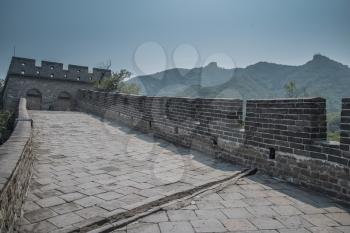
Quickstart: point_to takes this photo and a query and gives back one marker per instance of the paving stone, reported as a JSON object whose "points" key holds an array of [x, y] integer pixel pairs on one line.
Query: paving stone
{"points": [[325, 230], [47, 194], [92, 191], [209, 205], [131, 199], [239, 225], [334, 208], [320, 220], [261, 211], [30, 206], [299, 230], [286, 210], [208, 225], [72, 196], [344, 229], [109, 196], [39, 215], [50, 201], [143, 227], [88, 201], [111, 205], [296, 221], [265, 223], [237, 213], [257, 201], [210, 214], [176, 227], [342, 218], [41, 227], [231, 196], [156, 217], [65, 208], [280, 200], [181, 215], [65, 220], [213, 197], [310, 209], [234, 203], [91, 212]]}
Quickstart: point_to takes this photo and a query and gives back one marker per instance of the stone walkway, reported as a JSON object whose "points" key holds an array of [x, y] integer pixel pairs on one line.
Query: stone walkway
{"points": [[87, 169], [256, 204]]}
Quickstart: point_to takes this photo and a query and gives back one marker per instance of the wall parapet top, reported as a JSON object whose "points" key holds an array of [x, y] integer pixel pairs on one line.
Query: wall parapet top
{"points": [[54, 70]]}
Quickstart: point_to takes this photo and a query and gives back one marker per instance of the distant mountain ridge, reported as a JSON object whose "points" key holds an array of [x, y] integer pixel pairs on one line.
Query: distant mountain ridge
{"points": [[320, 76]]}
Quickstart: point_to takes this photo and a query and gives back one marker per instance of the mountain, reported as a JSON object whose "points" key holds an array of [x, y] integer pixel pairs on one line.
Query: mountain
{"points": [[320, 76]]}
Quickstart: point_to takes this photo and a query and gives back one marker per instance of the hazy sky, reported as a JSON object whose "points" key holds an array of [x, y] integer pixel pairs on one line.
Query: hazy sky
{"points": [[146, 36]]}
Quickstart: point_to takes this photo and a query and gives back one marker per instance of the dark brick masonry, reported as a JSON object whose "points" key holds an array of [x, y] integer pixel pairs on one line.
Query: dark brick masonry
{"points": [[295, 129]]}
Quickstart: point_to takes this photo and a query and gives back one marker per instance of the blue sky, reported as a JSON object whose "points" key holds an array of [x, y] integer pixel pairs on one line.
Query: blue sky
{"points": [[146, 36]]}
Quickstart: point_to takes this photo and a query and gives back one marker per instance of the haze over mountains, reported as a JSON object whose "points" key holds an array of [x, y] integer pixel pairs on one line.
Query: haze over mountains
{"points": [[320, 76]]}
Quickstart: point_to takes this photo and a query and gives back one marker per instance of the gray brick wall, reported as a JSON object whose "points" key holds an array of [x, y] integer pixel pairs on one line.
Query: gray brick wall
{"points": [[295, 128], [16, 161], [286, 124], [182, 119], [345, 126]]}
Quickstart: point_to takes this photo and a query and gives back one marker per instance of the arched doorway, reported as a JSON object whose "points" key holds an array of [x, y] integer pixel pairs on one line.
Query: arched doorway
{"points": [[63, 102], [34, 98]]}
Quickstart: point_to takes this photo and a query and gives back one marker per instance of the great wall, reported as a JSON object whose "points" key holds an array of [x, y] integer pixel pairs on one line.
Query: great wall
{"points": [[284, 138]]}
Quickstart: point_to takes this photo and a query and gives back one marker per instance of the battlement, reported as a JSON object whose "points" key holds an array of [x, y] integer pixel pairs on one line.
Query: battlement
{"points": [[53, 70]]}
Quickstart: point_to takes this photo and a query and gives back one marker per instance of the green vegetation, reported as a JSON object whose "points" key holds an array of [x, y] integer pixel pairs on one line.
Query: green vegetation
{"points": [[333, 136], [291, 89], [116, 83], [333, 123], [6, 125]]}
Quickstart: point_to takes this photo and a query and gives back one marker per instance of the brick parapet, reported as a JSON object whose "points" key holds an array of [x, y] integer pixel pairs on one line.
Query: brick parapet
{"points": [[16, 161], [295, 128]]}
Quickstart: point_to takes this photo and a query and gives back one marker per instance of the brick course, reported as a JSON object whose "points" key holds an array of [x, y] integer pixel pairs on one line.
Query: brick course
{"points": [[295, 128]]}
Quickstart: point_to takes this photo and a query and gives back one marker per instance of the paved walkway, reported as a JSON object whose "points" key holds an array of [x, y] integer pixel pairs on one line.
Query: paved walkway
{"points": [[256, 204], [87, 169]]}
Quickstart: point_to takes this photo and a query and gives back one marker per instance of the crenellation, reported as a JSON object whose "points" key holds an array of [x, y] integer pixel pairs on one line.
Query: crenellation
{"points": [[56, 86], [54, 70], [345, 127]]}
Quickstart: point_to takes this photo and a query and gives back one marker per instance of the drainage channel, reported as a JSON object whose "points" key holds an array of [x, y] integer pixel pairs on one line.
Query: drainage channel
{"points": [[175, 200]]}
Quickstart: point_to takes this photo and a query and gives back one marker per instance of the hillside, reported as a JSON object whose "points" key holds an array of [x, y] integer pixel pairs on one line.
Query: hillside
{"points": [[320, 76]]}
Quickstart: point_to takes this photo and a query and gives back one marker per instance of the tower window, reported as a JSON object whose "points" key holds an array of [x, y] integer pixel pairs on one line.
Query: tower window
{"points": [[51, 67]]}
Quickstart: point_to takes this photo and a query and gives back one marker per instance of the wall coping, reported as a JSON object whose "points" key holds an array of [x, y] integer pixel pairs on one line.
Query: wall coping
{"points": [[166, 97], [11, 151]]}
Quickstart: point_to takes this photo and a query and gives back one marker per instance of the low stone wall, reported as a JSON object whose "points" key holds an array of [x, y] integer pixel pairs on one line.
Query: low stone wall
{"points": [[16, 161], [283, 137]]}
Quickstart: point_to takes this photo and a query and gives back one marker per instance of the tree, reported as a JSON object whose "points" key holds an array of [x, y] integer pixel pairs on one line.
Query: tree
{"points": [[2, 84], [106, 66], [291, 89], [116, 83]]}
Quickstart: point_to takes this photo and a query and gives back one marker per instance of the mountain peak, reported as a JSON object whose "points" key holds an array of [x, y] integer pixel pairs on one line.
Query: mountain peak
{"points": [[321, 61], [212, 64], [319, 57]]}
